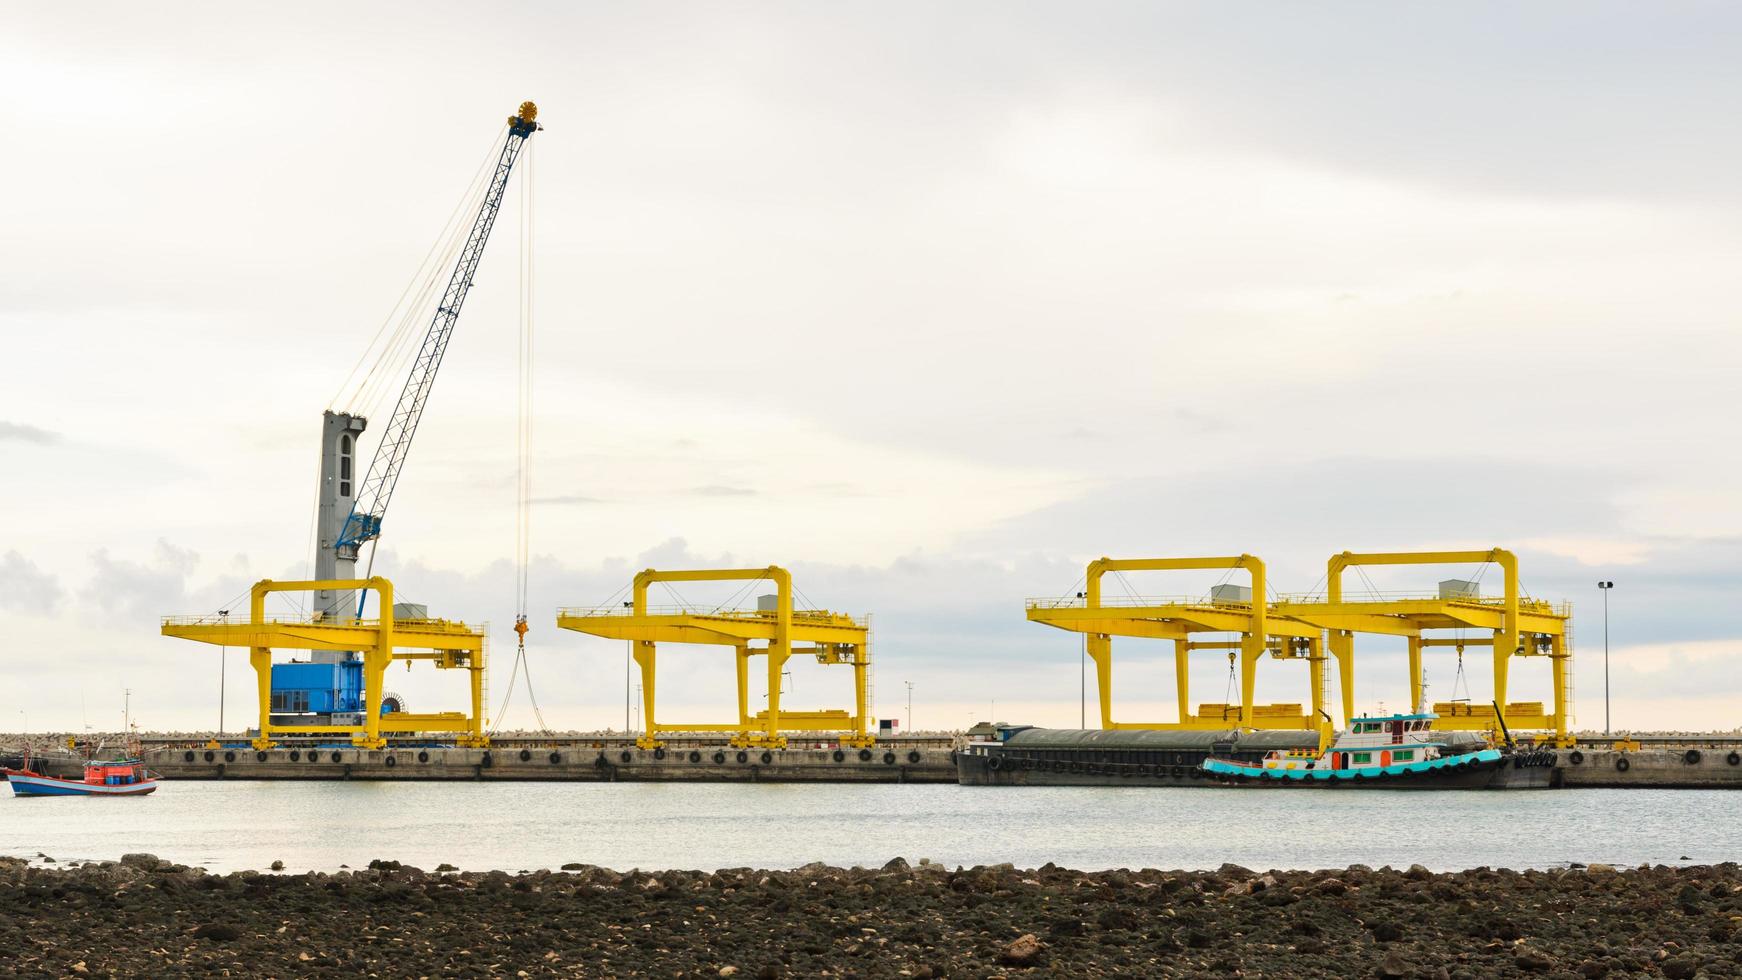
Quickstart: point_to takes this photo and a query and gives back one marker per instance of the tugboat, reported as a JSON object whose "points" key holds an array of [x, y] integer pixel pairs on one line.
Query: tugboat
{"points": [[1378, 752], [124, 777]]}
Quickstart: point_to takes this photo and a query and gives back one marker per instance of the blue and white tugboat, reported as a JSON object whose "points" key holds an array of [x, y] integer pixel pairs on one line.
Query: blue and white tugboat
{"points": [[1387, 751]]}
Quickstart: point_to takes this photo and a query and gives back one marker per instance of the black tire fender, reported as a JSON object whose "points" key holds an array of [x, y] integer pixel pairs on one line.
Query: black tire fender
{"points": [[1575, 757], [391, 761], [889, 758], [229, 757], [295, 755], [742, 756], [555, 758], [719, 758], [913, 756], [211, 756], [1691, 757], [336, 757], [259, 757], [188, 756], [525, 755], [864, 755], [423, 757], [695, 757], [767, 757], [659, 753], [1622, 765], [838, 756], [624, 756], [1734, 758]]}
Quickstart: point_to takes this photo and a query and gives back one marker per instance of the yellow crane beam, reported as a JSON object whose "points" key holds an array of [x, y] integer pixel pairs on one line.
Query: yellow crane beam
{"points": [[834, 638], [1100, 621], [1519, 626], [382, 641]]}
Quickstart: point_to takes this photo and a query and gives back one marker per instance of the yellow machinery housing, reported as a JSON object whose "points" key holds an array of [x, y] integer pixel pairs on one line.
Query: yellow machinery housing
{"points": [[833, 638], [1517, 626], [1261, 631], [446, 644]]}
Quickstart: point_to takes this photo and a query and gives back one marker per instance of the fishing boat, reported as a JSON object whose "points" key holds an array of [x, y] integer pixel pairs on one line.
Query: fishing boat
{"points": [[124, 777], [1387, 751]]}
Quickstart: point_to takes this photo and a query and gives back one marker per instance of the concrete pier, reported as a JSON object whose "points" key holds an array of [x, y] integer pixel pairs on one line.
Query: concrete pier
{"points": [[893, 763]]}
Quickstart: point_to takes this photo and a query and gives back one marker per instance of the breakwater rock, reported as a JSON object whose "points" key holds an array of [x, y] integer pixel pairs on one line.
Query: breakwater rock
{"points": [[142, 916]]}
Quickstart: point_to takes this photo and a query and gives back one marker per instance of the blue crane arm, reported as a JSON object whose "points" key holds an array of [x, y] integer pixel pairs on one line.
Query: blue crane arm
{"points": [[364, 522]]}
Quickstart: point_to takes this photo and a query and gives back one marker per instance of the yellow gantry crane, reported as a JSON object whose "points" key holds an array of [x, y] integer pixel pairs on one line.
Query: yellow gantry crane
{"points": [[382, 641], [1296, 628], [1515, 626], [1226, 610], [774, 633]]}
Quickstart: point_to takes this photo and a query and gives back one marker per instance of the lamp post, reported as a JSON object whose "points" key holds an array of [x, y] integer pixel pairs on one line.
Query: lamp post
{"points": [[1605, 586], [909, 706]]}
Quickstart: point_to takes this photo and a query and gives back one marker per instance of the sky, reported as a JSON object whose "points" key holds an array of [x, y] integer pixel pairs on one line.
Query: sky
{"points": [[931, 304]]}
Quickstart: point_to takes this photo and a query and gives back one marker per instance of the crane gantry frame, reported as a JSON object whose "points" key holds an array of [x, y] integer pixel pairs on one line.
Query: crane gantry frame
{"points": [[835, 638], [383, 641], [1303, 627], [1261, 631]]}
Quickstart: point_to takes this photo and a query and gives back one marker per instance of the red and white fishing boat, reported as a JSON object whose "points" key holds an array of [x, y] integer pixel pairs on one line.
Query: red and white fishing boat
{"points": [[124, 777]]}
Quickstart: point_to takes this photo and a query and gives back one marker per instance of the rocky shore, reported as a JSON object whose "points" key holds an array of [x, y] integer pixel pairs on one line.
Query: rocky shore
{"points": [[142, 916]]}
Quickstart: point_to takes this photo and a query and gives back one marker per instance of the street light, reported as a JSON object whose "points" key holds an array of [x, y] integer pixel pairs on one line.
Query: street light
{"points": [[909, 706], [223, 615], [1605, 586]]}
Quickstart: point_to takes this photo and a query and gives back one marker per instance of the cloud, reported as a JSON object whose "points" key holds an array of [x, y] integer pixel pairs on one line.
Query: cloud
{"points": [[18, 432], [133, 590], [714, 490], [26, 588]]}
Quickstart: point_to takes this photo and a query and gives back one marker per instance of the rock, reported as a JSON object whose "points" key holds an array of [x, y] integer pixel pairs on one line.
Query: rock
{"points": [[1332, 886], [896, 864], [571, 866], [444, 868], [218, 932], [144, 862], [382, 865], [1682, 967], [1532, 959], [1592, 969], [1025, 950], [1418, 872], [1393, 965], [728, 971], [277, 865], [1595, 868], [1386, 932]]}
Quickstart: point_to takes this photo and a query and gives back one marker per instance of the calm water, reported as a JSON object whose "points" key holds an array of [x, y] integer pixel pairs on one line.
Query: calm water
{"points": [[514, 826]]}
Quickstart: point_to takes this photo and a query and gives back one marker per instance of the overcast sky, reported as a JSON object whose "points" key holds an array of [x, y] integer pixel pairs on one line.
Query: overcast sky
{"points": [[931, 303]]}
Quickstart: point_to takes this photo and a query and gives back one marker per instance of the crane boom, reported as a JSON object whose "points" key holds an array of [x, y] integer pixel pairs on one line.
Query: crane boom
{"points": [[376, 491]]}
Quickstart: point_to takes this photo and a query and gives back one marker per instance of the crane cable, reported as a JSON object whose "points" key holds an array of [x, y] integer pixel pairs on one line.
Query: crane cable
{"points": [[523, 452]]}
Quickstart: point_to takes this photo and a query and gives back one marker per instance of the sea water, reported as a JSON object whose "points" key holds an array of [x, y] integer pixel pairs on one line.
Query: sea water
{"points": [[510, 826]]}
